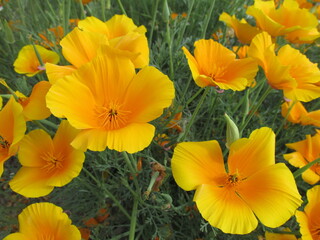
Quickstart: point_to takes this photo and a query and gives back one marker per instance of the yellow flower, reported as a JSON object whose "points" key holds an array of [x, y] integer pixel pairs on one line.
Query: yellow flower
{"points": [[81, 44], [297, 24], [215, 65], [44, 221], [289, 70], [28, 63], [47, 163], [34, 106], [12, 129], [243, 30], [309, 220], [250, 186], [307, 151], [280, 236], [298, 114], [110, 103]]}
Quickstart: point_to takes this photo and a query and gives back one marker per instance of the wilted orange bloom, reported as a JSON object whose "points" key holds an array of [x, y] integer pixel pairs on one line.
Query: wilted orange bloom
{"points": [[28, 63], [297, 24], [81, 44], [44, 221], [307, 151], [298, 114], [289, 70], [250, 186], [116, 104], [34, 106], [309, 219], [215, 65], [12, 129], [243, 30], [241, 51], [47, 163]]}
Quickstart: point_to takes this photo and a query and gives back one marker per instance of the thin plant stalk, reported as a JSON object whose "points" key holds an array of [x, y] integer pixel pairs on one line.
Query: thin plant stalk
{"points": [[133, 221]]}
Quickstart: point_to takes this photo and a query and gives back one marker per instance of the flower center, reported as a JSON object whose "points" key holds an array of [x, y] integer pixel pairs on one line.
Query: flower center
{"points": [[112, 117], [233, 179], [317, 168], [4, 144], [51, 162]]}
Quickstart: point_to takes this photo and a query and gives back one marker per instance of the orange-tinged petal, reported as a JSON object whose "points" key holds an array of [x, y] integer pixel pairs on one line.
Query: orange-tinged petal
{"points": [[280, 236], [80, 47], [61, 101], [194, 67], [250, 155], [244, 31], [148, 105], [46, 220], [16, 236], [55, 72], [31, 182], [312, 118], [131, 138], [28, 63], [36, 108], [32, 146], [224, 209], [272, 194], [305, 35], [196, 163], [297, 111], [304, 225]]}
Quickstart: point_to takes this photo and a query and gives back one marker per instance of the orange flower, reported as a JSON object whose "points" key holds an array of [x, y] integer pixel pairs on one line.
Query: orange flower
{"points": [[241, 51], [215, 65], [57, 33], [47, 163], [289, 70], [250, 186], [44, 221], [28, 63], [309, 220], [243, 30], [297, 24], [307, 151], [298, 114], [116, 104], [12, 129]]}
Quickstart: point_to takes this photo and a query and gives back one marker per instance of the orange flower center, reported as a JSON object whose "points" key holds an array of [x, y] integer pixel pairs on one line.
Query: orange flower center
{"points": [[233, 179], [4, 144], [51, 162], [112, 117]]}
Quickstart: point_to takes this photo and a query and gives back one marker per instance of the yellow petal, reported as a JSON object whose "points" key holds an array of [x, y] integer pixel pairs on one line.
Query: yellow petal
{"points": [[297, 111], [272, 194], [304, 226], [244, 31], [45, 220], [16, 236], [80, 47], [28, 63], [224, 209], [132, 138], [194, 67], [36, 108], [93, 24], [70, 98], [250, 155], [31, 182], [312, 118], [55, 72], [144, 92], [196, 163]]}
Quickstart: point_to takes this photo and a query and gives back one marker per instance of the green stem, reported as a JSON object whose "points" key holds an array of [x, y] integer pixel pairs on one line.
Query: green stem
{"points": [[132, 168], [48, 123], [121, 7], [153, 21], [43, 127], [306, 167], [255, 108], [110, 195], [195, 113], [185, 22], [133, 222], [206, 23], [194, 96], [169, 42]]}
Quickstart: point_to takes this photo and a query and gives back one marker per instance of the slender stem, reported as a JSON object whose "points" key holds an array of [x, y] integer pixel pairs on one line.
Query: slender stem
{"points": [[48, 123], [121, 7], [169, 42], [185, 22], [206, 23], [43, 127], [110, 195], [133, 222], [194, 96], [153, 21], [133, 170], [195, 113], [103, 8], [306, 167], [255, 108]]}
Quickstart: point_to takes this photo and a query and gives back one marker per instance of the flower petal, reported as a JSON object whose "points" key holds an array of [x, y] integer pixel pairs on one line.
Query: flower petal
{"points": [[250, 155], [194, 67], [224, 209], [55, 72], [196, 163], [151, 91], [16, 236], [272, 194], [132, 138]]}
